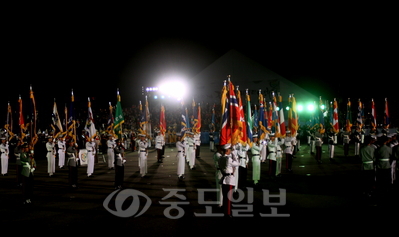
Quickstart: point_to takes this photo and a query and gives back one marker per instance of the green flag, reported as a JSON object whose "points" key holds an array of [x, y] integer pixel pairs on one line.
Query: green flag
{"points": [[119, 120]]}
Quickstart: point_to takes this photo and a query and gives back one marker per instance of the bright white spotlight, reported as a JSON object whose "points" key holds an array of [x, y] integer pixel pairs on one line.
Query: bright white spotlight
{"points": [[174, 88]]}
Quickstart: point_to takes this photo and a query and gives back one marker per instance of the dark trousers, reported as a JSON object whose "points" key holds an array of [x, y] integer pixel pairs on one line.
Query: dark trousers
{"points": [[346, 149], [19, 175], [73, 175], [288, 161], [272, 168], [163, 151], [159, 154], [119, 175], [368, 180], [197, 151], [242, 177], [318, 153], [383, 179], [227, 191], [133, 145], [27, 186]]}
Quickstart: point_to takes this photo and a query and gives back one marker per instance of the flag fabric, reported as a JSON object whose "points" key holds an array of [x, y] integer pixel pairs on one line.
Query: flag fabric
{"points": [[360, 114], [255, 120], [119, 118], [243, 125], [143, 120], [198, 123], [249, 120], [21, 121], [348, 123], [281, 119], [34, 136], [270, 116], [262, 121], [8, 126], [235, 122], [90, 129], [71, 119], [111, 120], [194, 119], [213, 122], [162, 121], [56, 118], [321, 116], [275, 117], [373, 115], [225, 131], [386, 115], [335, 122], [292, 116], [183, 121]]}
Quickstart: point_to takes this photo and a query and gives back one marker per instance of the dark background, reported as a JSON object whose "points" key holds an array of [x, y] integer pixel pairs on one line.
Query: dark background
{"points": [[340, 53]]}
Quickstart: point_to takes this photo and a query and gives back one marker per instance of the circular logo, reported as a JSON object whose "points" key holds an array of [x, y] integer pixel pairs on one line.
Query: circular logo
{"points": [[120, 199]]}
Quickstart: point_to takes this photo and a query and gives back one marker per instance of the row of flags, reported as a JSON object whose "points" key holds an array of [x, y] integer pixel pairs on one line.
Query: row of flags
{"points": [[360, 115], [67, 128], [239, 126]]}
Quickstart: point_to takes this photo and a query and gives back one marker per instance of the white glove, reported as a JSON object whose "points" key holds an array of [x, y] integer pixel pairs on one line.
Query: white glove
{"points": [[33, 169], [124, 161]]}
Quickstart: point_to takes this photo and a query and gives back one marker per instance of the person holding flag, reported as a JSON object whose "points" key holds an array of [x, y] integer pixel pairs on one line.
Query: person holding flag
{"points": [[346, 134], [211, 131], [90, 145], [50, 146], [263, 133], [334, 129]]}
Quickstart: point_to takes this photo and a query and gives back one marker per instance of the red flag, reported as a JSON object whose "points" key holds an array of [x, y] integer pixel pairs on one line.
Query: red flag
{"points": [[21, 121], [335, 117], [374, 117], [162, 121], [281, 119], [225, 131], [386, 115], [198, 128], [236, 124]]}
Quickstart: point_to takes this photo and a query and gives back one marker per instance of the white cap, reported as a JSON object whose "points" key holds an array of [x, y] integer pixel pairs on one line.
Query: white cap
{"points": [[227, 146]]}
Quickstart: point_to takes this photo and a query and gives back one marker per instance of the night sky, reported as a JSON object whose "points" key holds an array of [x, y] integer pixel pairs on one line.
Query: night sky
{"points": [[343, 59]]}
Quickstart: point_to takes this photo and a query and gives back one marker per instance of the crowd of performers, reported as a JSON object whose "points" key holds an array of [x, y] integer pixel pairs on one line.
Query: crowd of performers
{"points": [[378, 153]]}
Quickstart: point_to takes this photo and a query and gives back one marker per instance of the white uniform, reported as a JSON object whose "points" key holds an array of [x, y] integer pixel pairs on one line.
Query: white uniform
{"points": [[50, 158], [61, 153], [181, 164], [191, 152], [241, 153], [218, 176], [143, 157], [256, 159], [91, 151], [4, 157], [110, 153]]}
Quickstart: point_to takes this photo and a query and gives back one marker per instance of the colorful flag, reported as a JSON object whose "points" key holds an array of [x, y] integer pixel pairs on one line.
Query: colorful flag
{"points": [[255, 120], [119, 118], [34, 137], [71, 119], [21, 121], [321, 116], [281, 119], [249, 120], [213, 122], [111, 120], [243, 125], [292, 115], [56, 118], [162, 121], [275, 117], [225, 131], [8, 125], [360, 114], [373, 115], [198, 125], [335, 122], [235, 122], [90, 129], [262, 121], [386, 115], [348, 124]]}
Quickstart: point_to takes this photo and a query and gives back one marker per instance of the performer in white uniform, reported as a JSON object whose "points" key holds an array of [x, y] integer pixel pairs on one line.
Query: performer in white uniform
{"points": [[61, 151], [143, 145], [4, 156], [91, 151], [181, 164], [110, 151], [50, 156], [256, 159], [191, 150]]}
